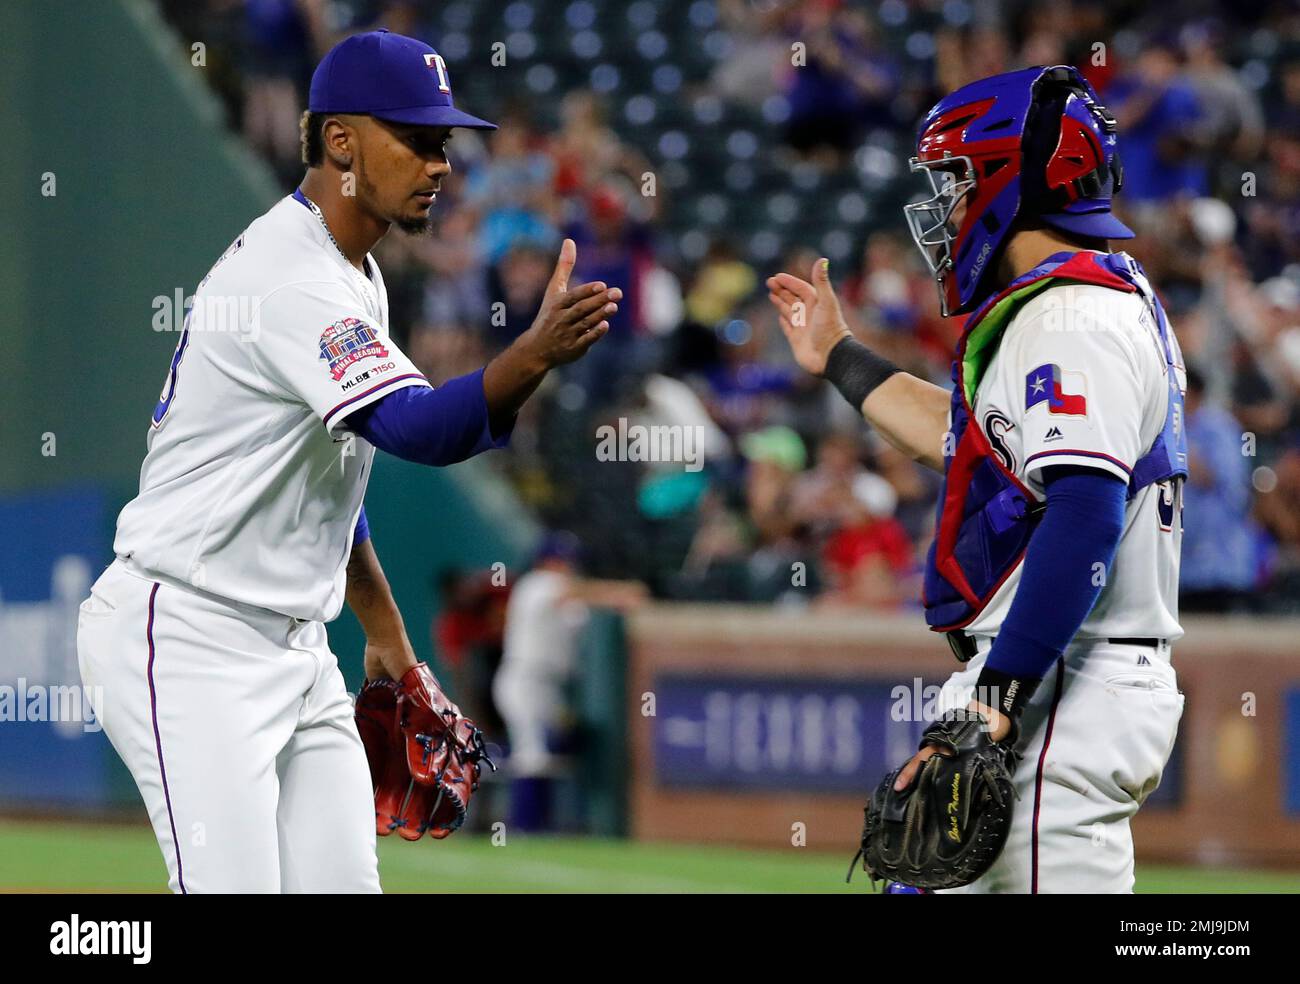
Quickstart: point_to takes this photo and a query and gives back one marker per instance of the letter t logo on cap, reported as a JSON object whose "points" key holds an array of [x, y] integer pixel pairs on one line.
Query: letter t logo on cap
{"points": [[434, 61]]}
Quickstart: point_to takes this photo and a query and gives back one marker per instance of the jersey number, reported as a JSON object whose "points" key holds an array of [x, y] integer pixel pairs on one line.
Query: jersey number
{"points": [[1169, 504], [169, 387]]}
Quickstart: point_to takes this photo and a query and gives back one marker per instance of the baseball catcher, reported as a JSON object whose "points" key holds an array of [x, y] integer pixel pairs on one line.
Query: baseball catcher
{"points": [[1054, 567]]}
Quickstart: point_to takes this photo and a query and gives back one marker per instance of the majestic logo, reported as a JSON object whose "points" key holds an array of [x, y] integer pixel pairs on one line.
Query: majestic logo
{"points": [[1053, 435], [347, 342], [1047, 384]]}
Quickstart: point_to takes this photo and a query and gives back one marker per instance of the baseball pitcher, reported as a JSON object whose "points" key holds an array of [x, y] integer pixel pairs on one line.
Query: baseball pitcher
{"points": [[206, 635]]}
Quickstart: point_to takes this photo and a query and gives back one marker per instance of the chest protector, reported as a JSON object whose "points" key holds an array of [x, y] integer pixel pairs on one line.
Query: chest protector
{"points": [[986, 515]]}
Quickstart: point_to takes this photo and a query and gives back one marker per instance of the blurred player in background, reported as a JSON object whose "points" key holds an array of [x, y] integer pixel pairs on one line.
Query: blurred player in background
{"points": [[1054, 570], [468, 634], [547, 609], [207, 633]]}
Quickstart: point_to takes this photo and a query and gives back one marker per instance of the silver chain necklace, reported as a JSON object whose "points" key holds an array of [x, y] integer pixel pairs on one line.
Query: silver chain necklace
{"points": [[367, 287]]}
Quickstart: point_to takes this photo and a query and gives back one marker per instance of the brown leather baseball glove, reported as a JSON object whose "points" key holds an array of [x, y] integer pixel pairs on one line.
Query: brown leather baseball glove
{"points": [[424, 755]]}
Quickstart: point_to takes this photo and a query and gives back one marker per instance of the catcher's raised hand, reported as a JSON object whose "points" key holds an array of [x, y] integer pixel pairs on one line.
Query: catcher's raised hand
{"points": [[570, 320], [810, 315]]}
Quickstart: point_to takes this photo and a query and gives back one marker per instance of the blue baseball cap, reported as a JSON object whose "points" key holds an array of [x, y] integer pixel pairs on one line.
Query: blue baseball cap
{"points": [[558, 545], [390, 77]]}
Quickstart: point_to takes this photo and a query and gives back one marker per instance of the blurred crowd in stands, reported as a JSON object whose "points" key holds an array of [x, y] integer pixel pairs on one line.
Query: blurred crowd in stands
{"points": [[617, 128]]}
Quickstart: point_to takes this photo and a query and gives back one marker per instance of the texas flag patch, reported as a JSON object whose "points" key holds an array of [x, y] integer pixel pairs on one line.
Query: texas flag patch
{"points": [[1048, 384]]}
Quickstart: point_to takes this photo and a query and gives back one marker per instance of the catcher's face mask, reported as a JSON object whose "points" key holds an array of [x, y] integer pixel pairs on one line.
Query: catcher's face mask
{"points": [[1038, 139], [930, 220]]}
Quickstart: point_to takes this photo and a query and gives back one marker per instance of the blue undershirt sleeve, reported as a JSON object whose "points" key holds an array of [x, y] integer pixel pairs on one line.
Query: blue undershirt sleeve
{"points": [[361, 533], [1064, 570], [431, 426]]}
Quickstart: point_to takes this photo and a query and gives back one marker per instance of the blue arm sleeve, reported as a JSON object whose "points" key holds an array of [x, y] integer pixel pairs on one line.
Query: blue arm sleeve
{"points": [[1058, 582], [430, 426], [362, 531]]}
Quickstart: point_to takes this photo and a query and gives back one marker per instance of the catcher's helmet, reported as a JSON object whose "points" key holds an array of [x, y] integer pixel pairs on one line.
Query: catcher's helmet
{"points": [[1033, 142]]}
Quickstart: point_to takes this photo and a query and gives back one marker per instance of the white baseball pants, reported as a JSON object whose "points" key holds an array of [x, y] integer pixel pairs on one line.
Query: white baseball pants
{"points": [[238, 729], [1095, 739]]}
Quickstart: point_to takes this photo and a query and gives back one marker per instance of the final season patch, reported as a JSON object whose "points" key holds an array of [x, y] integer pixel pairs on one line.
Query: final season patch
{"points": [[347, 342], [1048, 384]]}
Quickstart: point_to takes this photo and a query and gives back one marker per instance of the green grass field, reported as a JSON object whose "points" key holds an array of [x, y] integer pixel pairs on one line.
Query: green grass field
{"points": [[88, 858]]}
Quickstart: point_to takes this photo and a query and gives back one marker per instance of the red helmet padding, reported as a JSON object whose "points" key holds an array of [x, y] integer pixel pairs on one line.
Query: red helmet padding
{"points": [[1077, 154]]}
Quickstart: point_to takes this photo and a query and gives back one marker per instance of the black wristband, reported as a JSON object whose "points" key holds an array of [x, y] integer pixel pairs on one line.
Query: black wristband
{"points": [[856, 370], [1004, 692]]}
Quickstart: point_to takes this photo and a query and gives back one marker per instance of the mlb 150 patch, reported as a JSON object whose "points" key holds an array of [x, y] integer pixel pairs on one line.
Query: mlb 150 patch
{"points": [[1048, 384], [347, 342]]}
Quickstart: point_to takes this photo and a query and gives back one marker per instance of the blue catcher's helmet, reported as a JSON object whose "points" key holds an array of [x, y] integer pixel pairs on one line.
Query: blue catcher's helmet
{"points": [[1030, 143]]}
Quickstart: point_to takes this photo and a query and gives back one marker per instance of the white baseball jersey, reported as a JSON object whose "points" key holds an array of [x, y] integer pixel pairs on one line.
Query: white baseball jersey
{"points": [[540, 648], [542, 626], [251, 487], [1079, 379]]}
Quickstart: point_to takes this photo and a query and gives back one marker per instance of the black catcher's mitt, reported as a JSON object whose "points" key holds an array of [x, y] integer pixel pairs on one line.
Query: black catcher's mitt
{"points": [[948, 827]]}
